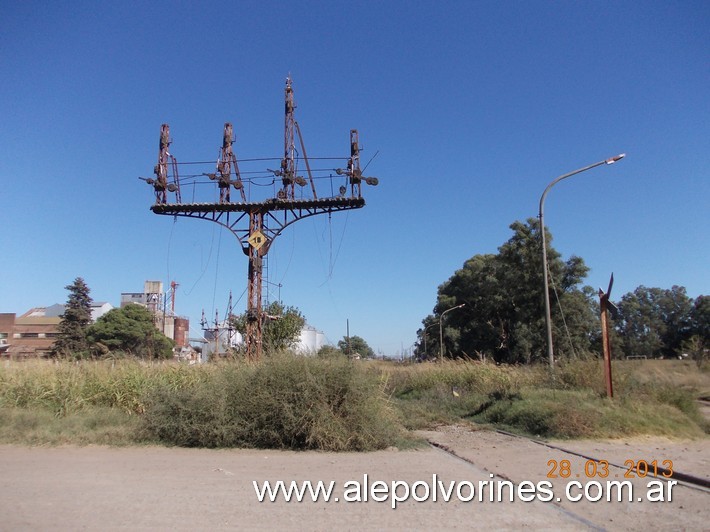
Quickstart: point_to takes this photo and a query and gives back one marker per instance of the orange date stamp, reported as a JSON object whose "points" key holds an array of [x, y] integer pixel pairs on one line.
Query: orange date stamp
{"points": [[600, 469]]}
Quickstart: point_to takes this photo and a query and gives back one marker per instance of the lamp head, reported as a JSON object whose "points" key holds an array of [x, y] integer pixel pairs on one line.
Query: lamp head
{"points": [[612, 160]]}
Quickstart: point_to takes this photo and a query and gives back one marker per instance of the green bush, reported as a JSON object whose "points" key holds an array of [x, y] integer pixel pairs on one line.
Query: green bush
{"points": [[284, 402], [545, 413]]}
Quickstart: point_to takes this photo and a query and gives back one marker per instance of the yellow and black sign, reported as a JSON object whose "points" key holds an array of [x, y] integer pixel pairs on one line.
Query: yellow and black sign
{"points": [[257, 239]]}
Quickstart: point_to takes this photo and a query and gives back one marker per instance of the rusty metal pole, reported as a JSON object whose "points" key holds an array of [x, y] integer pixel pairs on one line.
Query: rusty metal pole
{"points": [[288, 163], [606, 341], [161, 169], [354, 165], [606, 346], [256, 249]]}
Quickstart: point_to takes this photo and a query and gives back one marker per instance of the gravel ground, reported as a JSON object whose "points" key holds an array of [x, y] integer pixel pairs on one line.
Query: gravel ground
{"points": [[156, 488]]}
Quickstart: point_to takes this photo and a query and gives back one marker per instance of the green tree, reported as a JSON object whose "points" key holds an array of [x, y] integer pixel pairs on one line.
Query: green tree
{"points": [[131, 330], [282, 326], [503, 317], [71, 340], [700, 319], [699, 337], [654, 322], [355, 346], [328, 351]]}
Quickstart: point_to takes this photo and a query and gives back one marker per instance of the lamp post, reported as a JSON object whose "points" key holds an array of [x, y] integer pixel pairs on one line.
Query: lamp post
{"points": [[548, 319], [441, 331]]}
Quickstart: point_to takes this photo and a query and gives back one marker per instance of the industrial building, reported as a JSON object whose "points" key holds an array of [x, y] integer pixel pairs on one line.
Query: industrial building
{"points": [[33, 333], [162, 306]]}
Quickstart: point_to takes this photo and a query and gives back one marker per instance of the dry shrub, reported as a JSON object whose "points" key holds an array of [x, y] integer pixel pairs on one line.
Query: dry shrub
{"points": [[284, 402]]}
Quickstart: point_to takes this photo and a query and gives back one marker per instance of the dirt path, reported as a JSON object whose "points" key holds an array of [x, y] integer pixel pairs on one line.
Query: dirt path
{"points": [[98, 488]]}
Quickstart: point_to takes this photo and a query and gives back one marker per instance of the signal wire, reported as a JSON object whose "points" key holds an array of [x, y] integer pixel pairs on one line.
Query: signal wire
{"points": [[559, 304], [216, 269], [170, 241], [204, 269]]}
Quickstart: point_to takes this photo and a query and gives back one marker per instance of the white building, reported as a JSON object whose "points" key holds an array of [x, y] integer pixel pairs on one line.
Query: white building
{"points": [[98, 309]]}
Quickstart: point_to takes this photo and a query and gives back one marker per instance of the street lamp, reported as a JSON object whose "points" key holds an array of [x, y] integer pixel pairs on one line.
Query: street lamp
{"points": [[548, 319], [441, 331]]}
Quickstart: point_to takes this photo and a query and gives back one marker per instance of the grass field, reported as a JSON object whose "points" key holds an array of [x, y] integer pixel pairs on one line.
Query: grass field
{"points": [[334, 404], [655, 397]]}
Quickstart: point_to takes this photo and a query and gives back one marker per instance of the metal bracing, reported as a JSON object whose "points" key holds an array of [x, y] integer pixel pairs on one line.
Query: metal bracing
{"points": [[279, 214]]}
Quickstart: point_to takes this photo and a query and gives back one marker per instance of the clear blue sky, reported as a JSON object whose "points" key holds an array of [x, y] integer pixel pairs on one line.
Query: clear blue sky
{"points": [[473, 106]]}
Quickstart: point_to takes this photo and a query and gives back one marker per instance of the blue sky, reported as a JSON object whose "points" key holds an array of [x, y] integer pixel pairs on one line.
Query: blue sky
{"points": [[472, 108]]}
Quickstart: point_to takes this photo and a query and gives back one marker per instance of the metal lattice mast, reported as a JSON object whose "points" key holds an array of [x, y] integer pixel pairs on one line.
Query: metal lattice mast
{"points": [[354, 163], [288, 163], [226, 165], [161, 169], [166, 163]]}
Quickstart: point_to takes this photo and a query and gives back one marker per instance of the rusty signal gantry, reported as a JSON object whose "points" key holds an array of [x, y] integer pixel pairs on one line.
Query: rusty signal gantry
{"points": [[256, 224]]}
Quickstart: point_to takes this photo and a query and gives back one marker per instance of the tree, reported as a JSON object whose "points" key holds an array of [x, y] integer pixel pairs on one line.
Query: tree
{"points": [[700, 319], [282, 326], [355, 346], [654, 322], [328, 351], [699, 342], [503, 316], [71, 340], [130, 329]]}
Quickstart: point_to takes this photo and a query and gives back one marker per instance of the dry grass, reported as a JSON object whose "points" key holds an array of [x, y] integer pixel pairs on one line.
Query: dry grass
{"points": [[651, 397], [334, 404], [283, 402]]}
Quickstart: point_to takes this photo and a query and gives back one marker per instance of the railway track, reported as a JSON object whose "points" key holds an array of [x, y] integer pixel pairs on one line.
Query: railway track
{"points": [[499, 454], [683, 479]]}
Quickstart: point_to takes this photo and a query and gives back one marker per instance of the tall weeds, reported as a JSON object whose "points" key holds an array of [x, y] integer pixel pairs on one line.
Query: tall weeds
{"points": [[285, 402], [67, 387], [289, 402], [567, 403]]}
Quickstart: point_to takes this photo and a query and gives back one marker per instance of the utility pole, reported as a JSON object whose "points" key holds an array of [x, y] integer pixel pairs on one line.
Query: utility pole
{"points": [[347, 337], [257, 223]]}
